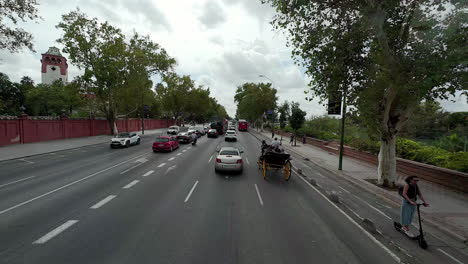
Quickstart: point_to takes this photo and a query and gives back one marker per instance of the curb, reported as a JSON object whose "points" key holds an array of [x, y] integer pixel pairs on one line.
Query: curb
{"points": [[369, 187]]}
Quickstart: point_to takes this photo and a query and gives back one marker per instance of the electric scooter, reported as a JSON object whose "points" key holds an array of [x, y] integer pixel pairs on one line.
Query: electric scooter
{"points": [[421, 241]]}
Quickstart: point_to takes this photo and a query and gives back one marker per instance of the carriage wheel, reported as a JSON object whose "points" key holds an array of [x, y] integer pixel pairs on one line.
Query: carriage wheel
{"points": [[287, 171], [264, 169]]}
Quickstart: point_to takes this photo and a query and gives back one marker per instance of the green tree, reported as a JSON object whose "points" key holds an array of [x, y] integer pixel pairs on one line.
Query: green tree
{"points": [[108, 61], [14, 38], [173, 92], [284, 112], [385, 56], [296, 119], [254, 99]]}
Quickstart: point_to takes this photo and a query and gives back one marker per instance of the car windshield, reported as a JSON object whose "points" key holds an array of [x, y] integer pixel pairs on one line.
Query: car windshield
{"points": [[230, 132], [123, 135], [161, 140], [173, 127], [229, 153]]}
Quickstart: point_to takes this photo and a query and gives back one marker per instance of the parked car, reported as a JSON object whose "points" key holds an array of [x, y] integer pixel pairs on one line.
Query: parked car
{"points": [[212, 133], [125, 139], [230, 135], [206, 128], [229, 159], [184, 137], [168, 143], [173, 130]]}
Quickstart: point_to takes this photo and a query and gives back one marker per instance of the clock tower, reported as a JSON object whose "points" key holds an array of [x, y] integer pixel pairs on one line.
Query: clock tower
{"points": [[54, 66]]}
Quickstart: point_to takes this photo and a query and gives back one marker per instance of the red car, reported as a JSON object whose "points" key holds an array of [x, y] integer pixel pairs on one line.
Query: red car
{"points": [[168, 143], [243, 125]]}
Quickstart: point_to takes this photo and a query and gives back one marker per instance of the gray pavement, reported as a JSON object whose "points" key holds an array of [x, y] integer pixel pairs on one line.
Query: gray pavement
{"points": [[94, 204], [448, 210]]}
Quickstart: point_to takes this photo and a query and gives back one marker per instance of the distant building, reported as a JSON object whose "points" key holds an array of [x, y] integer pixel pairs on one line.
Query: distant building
{"points": [[54, 66]]}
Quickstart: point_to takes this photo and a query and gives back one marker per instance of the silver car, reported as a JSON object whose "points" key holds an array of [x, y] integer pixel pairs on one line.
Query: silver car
{"points": [[229, 159]]}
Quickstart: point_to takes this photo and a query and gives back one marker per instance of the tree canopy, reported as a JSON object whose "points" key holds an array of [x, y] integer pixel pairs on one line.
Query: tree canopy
{"points": [[12, 13], [385, 56], [254, 99]]}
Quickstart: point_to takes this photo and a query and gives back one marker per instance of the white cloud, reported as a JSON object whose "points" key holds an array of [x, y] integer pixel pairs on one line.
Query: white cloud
{"points": [[220, 43]]}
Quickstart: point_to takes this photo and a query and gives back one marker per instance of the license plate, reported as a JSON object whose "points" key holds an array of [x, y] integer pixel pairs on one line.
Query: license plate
{"points": [[161, 145]]}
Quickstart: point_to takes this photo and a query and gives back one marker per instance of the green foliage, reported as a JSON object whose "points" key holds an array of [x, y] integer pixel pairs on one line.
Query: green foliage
{"points": [[115, 69], [297, 118], [253, 100], [13, 13], [284, 111]]}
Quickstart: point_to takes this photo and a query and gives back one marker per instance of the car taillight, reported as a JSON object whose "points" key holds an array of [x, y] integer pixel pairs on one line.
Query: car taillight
{"points": [[218, 160], [239, 161]]}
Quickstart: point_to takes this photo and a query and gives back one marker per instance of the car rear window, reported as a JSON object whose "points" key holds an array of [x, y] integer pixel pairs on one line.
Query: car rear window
{"points": [[231, 132], [229, 152], [162, 140]]}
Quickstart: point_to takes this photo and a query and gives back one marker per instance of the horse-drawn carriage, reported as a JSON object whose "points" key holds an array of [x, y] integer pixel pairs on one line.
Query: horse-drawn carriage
{"points": [[273, 160]]}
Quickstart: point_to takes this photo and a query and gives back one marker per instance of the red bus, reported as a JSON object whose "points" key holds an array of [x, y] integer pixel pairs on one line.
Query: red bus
{"points": [[242, 125]]}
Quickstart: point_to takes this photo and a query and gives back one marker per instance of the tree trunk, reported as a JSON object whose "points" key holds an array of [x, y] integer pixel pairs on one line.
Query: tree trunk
{"points": [[387, 162]]}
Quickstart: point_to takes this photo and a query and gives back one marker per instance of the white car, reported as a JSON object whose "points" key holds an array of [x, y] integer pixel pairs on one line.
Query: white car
{"points": [[229, 159], [231, 135], [125, 139], [174, 130]]}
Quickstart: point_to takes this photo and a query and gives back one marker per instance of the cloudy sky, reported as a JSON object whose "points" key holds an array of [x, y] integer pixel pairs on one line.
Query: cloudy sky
{"points": [[219, 43]]}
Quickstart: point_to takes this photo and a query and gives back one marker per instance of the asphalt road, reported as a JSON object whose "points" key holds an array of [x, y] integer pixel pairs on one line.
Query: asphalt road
{"points": [[102, 205]]}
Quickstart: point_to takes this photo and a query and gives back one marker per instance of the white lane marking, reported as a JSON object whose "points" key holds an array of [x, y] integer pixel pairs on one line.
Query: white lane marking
{"points": [[16, 181], [247, 159], [450, 256], [371, 206], [142, 160], [191, 191], [210, 158], [386, 206], [344, 189], [30, 162], [52, 153], [393, 255], [55, 232], [127, 170], [319, 174], [184, 150], [62, 156], [148, 173], [103, 202], [171, 158], [67, 185], [128, 186], [178, 154], [161, 165], [169, 169], [189, 147], [258, 194]]}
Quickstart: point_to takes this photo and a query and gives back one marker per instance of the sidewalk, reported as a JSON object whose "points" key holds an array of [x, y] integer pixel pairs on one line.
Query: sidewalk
{"points": [[16, 151], [448, 208]]}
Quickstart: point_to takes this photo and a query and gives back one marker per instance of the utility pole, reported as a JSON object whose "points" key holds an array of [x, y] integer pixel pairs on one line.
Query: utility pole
{"points": [[343, 118]]}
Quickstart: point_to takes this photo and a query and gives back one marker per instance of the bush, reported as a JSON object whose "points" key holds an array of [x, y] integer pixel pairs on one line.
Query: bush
{"points": [[365, 145], [458, 161]]}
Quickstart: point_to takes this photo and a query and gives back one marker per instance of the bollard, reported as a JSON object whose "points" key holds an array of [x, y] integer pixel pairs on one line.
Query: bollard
{"points": [[313, 182], [334, 197], [369, 226], [307, 159], [299, 171]]}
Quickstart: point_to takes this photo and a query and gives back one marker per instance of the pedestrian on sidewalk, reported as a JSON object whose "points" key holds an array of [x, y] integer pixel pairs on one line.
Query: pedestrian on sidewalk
{"points": [[303, 139], [272, 133], [410, 193], [292, 139]]}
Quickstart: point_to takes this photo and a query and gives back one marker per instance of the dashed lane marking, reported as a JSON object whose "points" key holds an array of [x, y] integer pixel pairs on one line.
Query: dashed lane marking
{"points": [[210, 159], [191, 191], [171, 159], [55, 232], [259, 195], [148, 173], [103, 202], [130, 185]]}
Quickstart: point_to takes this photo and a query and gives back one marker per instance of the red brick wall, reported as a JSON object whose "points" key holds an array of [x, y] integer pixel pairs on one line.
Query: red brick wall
{"points": [[25, 130]]}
